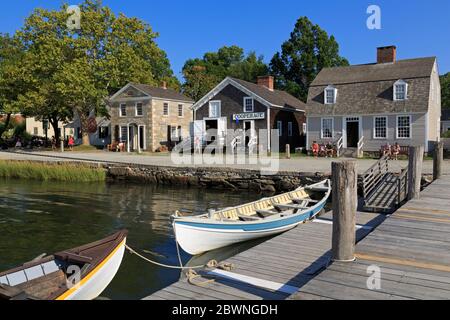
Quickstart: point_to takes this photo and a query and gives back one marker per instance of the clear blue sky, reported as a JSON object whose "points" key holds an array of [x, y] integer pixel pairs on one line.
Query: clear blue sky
{"points": [[190, 28]]}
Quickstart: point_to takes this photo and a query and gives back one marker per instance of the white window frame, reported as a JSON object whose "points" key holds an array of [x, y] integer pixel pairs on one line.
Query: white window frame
{"points": [[136, 109], [245, 104], [330, 88], [164, 109], [220, 109], [181, 108], [290, 129], [400, 83], [121, 134], [280, 128], [375, 131], [321, 128], [120, 110], [397, 127]]}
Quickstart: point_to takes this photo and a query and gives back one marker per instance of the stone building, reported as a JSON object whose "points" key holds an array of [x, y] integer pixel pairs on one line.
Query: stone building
{"points": [[147, 118]]}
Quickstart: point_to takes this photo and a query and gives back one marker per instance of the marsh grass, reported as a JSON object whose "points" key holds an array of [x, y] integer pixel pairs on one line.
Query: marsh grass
{"points": [[51, 171]]}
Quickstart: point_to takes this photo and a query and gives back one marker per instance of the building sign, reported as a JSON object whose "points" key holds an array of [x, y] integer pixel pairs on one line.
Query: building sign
{"points": [[249, 116]]}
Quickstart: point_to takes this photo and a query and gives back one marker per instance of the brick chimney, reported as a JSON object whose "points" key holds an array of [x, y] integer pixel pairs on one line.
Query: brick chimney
{"points": [[386, 54], [266, 81], [164, 85]]}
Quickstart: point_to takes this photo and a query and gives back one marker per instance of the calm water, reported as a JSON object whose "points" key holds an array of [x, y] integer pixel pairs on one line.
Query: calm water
{"points": [[38, 218]]}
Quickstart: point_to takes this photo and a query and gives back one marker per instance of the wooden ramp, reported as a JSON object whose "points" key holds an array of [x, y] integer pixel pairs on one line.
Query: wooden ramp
{"points": [[383, 190], [412, 248], [272, 270]]}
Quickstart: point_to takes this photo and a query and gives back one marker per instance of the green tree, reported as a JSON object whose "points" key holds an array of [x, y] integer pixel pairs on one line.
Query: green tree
{"points": [[74, 71], [13, 80], [308, 50], [445, 89], [201, 75]]}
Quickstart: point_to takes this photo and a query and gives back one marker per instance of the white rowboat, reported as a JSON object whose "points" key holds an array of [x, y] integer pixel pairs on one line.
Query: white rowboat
{"points": [[263, 218]]}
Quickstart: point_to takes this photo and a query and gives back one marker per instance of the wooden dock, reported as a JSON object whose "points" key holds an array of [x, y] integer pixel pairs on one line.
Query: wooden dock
{"points": [[272, 270], [412, 248]]}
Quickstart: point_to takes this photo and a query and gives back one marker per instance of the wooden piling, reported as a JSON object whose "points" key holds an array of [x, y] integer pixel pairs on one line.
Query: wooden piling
{"points": [[288, 151], [345, 202], [438, 158], [62, 146], [415, 171]]}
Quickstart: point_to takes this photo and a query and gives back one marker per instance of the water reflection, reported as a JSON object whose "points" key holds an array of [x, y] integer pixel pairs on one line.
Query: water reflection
{"points": [[40, 217]]}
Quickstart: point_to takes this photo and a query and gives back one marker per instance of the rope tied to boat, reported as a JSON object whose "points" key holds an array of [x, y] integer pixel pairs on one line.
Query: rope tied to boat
{"points": [[132, 251], [213, 264]]}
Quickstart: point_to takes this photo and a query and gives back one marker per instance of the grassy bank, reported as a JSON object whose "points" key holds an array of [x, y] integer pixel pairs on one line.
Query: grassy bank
{"points": [[50, 172]]}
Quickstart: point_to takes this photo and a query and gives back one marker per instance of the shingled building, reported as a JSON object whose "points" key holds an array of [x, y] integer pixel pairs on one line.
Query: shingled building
{"points": [[371, 105]]}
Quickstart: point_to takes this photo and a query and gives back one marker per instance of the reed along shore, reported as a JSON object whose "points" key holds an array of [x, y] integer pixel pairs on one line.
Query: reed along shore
{"points": [[45, 171]]}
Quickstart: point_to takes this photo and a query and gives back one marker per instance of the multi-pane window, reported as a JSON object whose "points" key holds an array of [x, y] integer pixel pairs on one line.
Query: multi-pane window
{"points": [[36, 131], [123, 110], [380, 128], [139, 110], [290, 129], [124, 134], [330, 95], [166, 109], [214, 109], [180, 111], [280, 128], [400, 90], [248, 104], [327, 128], [403, 127]]}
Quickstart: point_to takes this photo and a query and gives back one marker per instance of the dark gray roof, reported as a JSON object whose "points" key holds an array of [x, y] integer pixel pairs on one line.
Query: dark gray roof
{"points": [[162, 93], [402, 69], [445, 115], [368, 89], [275, 97]]}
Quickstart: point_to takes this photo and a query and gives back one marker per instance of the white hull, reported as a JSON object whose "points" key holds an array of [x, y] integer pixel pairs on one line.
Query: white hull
{"points": [[92, 286], [207, 232], [196, 241]]}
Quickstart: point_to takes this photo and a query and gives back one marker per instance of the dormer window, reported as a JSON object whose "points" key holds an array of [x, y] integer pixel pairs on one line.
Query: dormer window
{"points": [[330, 95], [400, 90]]}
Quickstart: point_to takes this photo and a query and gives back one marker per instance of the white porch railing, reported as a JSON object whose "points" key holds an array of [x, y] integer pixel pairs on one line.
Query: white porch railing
{"points": [[361, 147], [339, 146]]}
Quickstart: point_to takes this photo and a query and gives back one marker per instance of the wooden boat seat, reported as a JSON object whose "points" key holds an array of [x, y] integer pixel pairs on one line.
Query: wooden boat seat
{"points": [[266, 213], [249, 218], [284, 207], [73, 257], [306, 200]]}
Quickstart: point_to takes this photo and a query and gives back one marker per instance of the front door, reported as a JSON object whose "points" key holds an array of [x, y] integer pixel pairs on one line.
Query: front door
{"points": [[352, 134], [247, 132]]}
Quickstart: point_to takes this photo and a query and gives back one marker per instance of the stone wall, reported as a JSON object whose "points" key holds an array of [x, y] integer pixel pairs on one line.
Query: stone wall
{"points": [[224, 178]]}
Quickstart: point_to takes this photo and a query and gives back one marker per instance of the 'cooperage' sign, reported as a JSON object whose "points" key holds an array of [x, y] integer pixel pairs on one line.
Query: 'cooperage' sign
{"points": [[249, 116]]}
